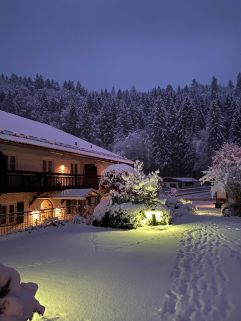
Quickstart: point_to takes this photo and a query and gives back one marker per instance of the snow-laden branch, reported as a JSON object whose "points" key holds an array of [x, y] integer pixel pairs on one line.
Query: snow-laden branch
{"points": [[17, 299]]}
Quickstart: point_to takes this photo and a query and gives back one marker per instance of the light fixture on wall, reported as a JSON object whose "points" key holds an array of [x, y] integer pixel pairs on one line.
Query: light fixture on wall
{"points": [[35, 216], [57, 212]]}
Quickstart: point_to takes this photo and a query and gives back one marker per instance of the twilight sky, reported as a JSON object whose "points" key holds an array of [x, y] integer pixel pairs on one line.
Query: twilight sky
{"points": [[105, 43]]}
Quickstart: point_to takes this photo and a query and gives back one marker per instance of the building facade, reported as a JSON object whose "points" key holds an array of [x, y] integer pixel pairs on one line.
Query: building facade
{"points": [[46, 174]]}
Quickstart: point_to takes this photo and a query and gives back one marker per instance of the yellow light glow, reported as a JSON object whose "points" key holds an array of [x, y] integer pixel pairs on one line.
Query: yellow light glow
{"points": [[57, 212], [62, 169], [35, 215], [157, 213]]}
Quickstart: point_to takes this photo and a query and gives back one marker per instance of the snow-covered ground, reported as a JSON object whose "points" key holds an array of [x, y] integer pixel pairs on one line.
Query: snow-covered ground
{"points": [[185, 272]]}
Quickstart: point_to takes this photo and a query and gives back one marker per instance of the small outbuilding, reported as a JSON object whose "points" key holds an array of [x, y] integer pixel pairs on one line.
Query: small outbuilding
{"points": [[180, 182]]}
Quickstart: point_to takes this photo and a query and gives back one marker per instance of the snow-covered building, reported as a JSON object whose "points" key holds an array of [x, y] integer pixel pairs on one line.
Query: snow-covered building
{"points": [[180, 182], [46, 173]]}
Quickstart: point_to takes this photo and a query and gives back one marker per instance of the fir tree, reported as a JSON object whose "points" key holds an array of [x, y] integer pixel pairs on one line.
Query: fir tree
{"points": [[235, 129], [159, 136], [216, 128]]}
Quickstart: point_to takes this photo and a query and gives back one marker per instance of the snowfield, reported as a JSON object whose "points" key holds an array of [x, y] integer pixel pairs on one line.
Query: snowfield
{"points": [[185, 272]]}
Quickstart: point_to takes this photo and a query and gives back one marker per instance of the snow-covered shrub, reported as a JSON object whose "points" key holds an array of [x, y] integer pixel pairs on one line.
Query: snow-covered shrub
{"points": [[113, 181], [230, 209], [179, 207], [172, 202], [143, 188], [17, 300], [125, 183], [225, 173], [128, 215]]}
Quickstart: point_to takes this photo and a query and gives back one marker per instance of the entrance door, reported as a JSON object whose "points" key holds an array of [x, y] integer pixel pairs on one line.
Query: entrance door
{"points": [[46, 210], [91, 178], [20, 212], [3, 172]]}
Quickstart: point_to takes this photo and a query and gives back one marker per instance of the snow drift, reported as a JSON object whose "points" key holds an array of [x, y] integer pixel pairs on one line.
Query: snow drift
{"points": [[17, 300]]}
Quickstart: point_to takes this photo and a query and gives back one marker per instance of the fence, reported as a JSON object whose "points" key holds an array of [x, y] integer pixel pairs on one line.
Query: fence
{"points": [[16, 222]]}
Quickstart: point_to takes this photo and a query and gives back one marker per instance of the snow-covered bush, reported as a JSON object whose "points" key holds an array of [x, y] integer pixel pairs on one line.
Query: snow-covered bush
{"points": [[17, 300], [129, 215], [143, 188], [113, 181], [230, 209], [125, 183], [224, 162], [179, 207]]}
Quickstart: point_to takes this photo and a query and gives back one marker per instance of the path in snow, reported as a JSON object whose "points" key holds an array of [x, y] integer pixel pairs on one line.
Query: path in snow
{"points": [[201, 285]]}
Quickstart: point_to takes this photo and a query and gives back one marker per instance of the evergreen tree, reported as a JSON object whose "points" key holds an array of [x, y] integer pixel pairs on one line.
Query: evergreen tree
{"points": [[214, 87], [215, 128], [159, 136], [238, 84], [235, 129]]}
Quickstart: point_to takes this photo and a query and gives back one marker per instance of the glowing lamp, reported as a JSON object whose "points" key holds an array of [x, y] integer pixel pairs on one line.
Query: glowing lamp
{"points": [[35, 216], [62, 169], [57, 212], [154, 215]]}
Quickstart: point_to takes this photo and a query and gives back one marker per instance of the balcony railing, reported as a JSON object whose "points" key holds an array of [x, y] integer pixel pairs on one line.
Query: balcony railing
{"points": [[28, 181], [16, 222]]}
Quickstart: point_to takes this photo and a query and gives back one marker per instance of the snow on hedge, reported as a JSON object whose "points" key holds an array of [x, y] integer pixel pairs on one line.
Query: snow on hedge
{"points": [[17, 300], [130, 215]]}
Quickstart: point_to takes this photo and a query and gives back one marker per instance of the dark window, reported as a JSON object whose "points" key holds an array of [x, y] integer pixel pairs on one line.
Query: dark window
{"points": [[44, 166], [11, 213], [20, 212], [12, 165], [47, 166], [50, 166], [74, 169], [70, 206], [3, 216]]}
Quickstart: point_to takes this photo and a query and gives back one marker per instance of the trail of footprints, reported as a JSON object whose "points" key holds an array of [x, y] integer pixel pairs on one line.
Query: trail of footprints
{"points": [[199, 291]]}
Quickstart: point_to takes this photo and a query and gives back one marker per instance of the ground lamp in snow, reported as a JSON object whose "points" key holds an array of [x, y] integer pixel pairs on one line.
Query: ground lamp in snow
{"points": [[154, 215]]}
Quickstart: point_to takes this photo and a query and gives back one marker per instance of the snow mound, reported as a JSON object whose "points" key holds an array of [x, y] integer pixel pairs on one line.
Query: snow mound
{"points": [[17, 300]]}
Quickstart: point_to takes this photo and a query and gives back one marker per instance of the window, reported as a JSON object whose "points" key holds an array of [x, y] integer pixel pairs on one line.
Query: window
{"points": [[20, 212], [50, 166], [74, 169], [3, 216], [11, 213], [44, 166], [70, 204], [12, 163], [47, 166]]}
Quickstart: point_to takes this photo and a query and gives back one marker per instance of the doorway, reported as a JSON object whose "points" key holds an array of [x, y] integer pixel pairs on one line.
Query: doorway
{"points": [[46, 210]]}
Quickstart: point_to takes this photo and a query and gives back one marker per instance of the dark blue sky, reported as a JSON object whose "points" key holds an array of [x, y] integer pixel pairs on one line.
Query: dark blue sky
{"points": [[105, 43]]}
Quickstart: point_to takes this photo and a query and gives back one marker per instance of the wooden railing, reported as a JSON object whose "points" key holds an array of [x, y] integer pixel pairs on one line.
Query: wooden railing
{"points": [[21, 221], [28, 181]]}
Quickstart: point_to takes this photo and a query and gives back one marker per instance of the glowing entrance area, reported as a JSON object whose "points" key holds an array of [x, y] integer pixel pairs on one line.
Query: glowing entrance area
{"points": [[47, 208]]}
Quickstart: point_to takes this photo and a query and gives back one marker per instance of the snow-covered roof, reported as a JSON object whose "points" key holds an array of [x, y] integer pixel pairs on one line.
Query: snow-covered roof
{"points": [[180, 179], [118, 168], [18, 129], [79, 193]]}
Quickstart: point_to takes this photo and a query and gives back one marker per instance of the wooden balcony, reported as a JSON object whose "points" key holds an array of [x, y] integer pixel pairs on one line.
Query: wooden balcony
{"points": [[27, 181]]}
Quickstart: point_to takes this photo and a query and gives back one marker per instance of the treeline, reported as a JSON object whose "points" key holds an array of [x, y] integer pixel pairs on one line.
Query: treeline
{"points": [[176, 131]]}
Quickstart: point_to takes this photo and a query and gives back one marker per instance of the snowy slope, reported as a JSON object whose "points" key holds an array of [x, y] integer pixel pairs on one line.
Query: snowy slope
{"points": [[187, 272], [22, 130]]}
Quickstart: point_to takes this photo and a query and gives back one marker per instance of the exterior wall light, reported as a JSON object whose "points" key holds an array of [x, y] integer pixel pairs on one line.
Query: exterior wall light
{"points": [[57, 212], [35, 216]]}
